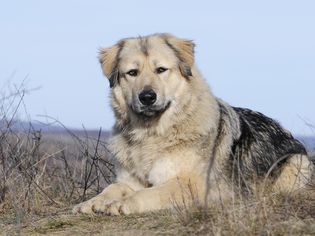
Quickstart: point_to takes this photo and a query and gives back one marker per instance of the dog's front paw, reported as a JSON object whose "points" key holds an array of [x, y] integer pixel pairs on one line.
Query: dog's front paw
{"points": [[100, 207], [84, 208], [123, 207], [94, 205]]}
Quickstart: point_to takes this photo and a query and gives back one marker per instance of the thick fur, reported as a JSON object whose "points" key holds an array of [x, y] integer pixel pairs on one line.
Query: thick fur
{"points": [[188, 141]]}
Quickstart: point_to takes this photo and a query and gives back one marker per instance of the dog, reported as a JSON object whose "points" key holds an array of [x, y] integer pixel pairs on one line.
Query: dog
{"points": [[172, 136]]}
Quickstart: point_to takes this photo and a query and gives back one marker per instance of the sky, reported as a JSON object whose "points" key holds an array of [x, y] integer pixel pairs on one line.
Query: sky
{"points": [[254, 54]]}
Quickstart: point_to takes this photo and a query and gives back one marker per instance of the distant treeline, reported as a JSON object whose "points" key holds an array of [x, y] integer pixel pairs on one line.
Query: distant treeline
{"points": [[57, 128], [308, 142]]}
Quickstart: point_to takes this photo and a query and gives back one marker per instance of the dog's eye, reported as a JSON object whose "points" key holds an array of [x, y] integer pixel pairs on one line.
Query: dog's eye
{"points": [[161, 70], [133, 72]]}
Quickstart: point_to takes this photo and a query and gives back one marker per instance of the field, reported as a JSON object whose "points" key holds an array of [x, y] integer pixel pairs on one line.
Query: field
{"points": [[44, 172]]}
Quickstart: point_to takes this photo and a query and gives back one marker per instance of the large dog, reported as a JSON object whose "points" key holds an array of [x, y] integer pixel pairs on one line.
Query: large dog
{"points": [[172, 137]]}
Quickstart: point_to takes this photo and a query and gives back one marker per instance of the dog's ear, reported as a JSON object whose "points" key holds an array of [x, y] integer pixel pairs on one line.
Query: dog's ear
{"points": [[184, 50], [109, 58]]}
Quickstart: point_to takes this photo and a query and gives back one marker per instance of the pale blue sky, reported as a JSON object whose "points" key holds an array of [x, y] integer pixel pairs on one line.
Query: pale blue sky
{"points": [[256, 54]]}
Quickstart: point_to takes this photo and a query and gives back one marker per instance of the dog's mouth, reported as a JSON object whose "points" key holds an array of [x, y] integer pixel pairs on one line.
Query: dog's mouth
{"points": [[151, 111]]}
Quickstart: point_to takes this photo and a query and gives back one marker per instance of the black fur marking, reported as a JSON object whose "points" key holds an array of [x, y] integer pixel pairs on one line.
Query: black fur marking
{"points": [[113, 79], [115, 75], [183, 66], [185, 69], [262, 143]]}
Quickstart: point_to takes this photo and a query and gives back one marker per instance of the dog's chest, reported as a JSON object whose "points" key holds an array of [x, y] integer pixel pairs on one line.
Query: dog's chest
{"points": [[155, 161], [136, 158]]}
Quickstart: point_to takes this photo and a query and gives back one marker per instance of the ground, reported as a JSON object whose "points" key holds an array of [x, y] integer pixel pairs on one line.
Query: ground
{"points": [[267, 215], [64, 223]]}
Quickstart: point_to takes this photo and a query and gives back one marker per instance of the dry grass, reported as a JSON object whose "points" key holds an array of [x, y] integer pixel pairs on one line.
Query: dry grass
{"points": [[43, 174], [267, 215]]}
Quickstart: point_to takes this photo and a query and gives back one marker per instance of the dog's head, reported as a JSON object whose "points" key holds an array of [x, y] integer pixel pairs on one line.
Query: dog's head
{"points": [[147, 74]]}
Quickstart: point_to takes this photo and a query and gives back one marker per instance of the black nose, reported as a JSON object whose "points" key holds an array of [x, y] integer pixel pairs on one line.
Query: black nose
{"points": [[147, 97]]}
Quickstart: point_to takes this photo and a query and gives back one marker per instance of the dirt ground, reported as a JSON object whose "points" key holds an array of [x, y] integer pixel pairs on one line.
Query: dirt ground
{"points": [[64, 223]]}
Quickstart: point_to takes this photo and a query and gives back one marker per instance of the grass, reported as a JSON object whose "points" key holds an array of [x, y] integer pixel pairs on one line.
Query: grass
{"points": [[267, 215]]}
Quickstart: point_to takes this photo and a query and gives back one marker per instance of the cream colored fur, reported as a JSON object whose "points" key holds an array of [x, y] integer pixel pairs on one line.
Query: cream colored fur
{"points": [[157, 161]]}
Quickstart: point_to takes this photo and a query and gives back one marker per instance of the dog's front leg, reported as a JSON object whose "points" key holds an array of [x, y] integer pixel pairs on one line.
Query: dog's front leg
{"points": [[163, 196], [97, 204]]}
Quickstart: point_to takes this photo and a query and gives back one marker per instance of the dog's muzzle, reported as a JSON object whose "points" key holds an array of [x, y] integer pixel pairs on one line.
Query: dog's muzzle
{"points": [[153, 111], [148, 105]]}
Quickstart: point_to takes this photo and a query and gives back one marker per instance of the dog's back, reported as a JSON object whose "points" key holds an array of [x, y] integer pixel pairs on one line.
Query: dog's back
{"points": [[265, 148]]}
